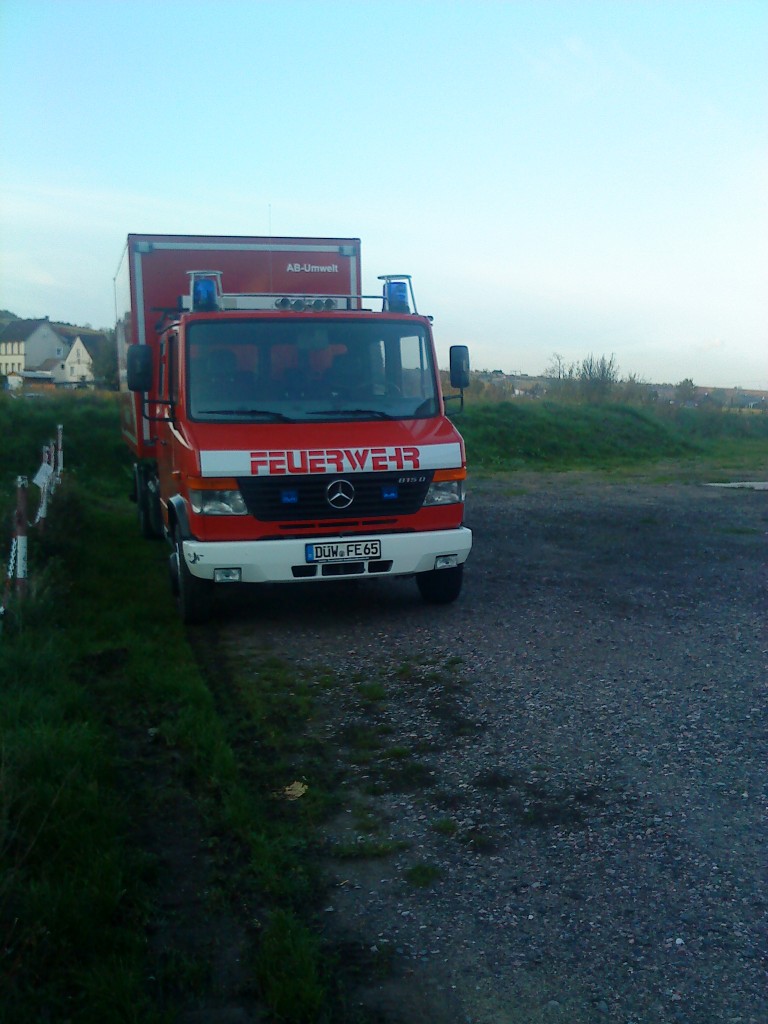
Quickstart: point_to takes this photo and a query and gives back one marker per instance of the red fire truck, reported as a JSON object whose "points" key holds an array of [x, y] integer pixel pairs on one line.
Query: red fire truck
{"points": [[284, 431]]}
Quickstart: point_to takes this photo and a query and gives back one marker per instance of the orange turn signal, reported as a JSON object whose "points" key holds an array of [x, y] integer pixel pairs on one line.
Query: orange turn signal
{"points": [[450, 474], [212, 483]]}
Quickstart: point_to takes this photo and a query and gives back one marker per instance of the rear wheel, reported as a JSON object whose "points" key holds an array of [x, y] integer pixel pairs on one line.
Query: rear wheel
{"points": [[194, 596], [440, 586]]}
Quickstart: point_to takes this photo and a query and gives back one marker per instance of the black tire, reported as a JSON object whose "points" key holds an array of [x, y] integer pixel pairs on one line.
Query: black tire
{"points": [[440, 586], [194, 597]]}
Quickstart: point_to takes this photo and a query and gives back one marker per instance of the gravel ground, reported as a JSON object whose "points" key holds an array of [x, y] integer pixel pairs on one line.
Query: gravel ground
{"points": [[555, 788]]}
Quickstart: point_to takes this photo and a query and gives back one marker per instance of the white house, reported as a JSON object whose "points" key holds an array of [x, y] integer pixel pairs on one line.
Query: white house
{"points": [[78, 365], [64, 354], [27, 344]]}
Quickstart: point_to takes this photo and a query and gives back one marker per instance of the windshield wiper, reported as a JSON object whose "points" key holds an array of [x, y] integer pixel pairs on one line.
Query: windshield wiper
{"points": [[277, 417], [376, 414]]}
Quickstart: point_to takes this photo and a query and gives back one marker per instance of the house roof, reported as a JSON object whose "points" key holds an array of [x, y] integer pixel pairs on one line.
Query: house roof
{"points": [[20, 330], [94, 342]]}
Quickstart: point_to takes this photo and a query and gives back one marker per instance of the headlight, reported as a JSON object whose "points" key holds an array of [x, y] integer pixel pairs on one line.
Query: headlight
{"points": [[445, 492], [217, 503]]}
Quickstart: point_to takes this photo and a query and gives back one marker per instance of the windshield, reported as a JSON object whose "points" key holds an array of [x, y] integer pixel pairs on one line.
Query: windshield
{"points": [[309, 370]]}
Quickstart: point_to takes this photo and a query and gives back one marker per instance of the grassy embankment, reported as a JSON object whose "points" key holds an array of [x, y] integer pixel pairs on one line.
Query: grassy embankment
{"points": [[108, 721], [671, 443]]}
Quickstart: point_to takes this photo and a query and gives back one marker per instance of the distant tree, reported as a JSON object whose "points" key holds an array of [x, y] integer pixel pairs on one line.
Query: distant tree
{"points": [[634, 390], [598, 378], [685, 391], [105, 361], [556, 368], [562, 378]]}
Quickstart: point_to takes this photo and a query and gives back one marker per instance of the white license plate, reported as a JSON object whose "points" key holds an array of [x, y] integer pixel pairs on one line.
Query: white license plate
{"points": [[343, 551]]}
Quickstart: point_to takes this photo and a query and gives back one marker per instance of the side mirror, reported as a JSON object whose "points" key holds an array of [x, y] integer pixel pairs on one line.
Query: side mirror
{"points": [[140, 368], [459, 363]]}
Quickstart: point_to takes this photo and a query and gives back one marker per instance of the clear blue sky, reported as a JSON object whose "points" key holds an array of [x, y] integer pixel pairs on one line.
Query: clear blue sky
{"points": [[574, 178]]}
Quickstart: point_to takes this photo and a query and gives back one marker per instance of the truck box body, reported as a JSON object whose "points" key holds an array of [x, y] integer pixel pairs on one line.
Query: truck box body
{"points": [[286, 433], [153, 274]]}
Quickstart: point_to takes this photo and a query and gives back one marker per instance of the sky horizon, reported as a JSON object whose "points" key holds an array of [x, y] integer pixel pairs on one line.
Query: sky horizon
{"points": [[583, 178]]}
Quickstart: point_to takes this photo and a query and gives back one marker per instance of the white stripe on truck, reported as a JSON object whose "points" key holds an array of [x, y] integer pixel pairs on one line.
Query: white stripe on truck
{"points": [[303, 461]]}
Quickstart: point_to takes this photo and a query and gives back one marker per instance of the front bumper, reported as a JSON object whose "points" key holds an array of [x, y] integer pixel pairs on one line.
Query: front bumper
{"points": [[283, 561]]}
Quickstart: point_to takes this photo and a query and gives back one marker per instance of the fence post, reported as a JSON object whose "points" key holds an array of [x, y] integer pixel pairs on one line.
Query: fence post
{"points": [[59, 450], [21, 536], [49, 454]]}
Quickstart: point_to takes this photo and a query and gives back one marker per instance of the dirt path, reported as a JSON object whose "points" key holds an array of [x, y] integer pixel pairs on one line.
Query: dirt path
{"points": [[555, 788]]}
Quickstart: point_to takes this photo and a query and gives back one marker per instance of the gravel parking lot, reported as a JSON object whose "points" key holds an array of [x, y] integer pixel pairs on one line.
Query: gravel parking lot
{"points": [[555, 788]]}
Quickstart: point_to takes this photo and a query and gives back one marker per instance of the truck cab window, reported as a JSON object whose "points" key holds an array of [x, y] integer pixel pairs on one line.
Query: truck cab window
{"points": [[355, 366]]}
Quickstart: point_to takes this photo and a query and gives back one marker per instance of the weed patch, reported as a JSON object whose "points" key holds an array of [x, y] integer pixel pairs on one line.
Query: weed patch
{"points": [[422, 876], [288, 969], [366, 849]]}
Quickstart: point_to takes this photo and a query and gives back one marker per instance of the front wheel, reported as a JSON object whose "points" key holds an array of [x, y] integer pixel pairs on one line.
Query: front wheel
{"points": [[194, 597], [440, 586]]}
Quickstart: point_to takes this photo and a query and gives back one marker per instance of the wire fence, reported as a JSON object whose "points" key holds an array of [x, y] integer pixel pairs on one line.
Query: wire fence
{"points": [[47, 479]]}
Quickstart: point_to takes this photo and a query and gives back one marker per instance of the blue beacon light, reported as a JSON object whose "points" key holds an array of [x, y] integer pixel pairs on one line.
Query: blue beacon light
{"points": [[397, 296], [204, 294]]}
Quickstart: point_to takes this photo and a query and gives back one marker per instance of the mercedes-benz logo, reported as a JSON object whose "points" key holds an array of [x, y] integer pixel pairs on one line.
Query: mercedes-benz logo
{"points": [[340, 494]]}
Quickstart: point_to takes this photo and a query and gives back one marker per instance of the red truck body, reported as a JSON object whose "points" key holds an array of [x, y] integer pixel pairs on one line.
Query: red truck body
{"points": [[282, 431]]}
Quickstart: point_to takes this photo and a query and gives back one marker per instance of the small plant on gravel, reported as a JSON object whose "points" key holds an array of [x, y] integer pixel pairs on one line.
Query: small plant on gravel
{"points": [[408, 776], [481, 839], [422, 876], [445, 826], [362, 739], [372, 692], [397, 753], [366, 849], [366, 819]]}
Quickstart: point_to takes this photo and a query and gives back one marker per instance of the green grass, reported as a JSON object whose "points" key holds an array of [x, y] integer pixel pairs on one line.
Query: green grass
{"points": [[445, 826], [93, 447], [289, 971], [95, 669], [423, 876], [72, 896], [372, 692], [92, 663], [508, 436], [367, 849]]}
